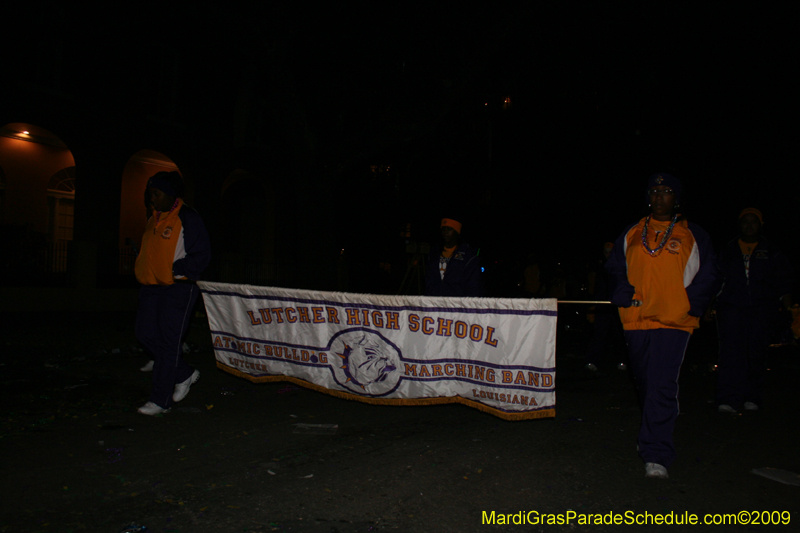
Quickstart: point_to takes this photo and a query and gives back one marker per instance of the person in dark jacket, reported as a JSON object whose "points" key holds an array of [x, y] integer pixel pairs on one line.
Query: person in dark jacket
{"points": [[757, 281], [175, 251], [453, 269]]}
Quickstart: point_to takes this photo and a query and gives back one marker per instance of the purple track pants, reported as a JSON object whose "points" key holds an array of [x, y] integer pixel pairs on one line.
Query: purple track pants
{"points": [[656, 356], [161, 323]]}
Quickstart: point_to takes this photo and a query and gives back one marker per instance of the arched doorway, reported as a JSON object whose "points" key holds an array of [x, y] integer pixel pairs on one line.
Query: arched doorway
{"points": [[61, 217], [38, 191], [132, 211]]}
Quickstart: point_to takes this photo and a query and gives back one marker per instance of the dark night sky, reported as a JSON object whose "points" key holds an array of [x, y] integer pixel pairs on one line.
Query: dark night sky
{"points": [[603, 96]]}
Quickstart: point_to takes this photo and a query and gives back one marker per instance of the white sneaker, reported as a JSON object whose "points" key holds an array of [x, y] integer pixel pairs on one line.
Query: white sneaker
{"points": [[655, 470], [750, 406], [182, 388], [725, 408], [148, 367], [591, 366], [152, 409]]}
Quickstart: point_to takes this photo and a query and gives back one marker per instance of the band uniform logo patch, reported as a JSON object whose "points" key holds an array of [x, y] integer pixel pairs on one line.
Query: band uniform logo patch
{"points": [[167, 233], [674, 246]]}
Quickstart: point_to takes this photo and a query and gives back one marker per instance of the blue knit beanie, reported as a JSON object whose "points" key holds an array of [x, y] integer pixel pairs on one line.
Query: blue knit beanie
{"points": [[162, 182], [667, 180]]}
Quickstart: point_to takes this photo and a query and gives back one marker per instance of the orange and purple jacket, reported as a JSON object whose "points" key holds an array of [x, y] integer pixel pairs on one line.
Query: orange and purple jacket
{"points": [[675, 285], [176, 247]]}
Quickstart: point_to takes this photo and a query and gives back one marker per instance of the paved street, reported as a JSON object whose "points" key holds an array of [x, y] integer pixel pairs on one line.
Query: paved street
{"points": [[77, 457]]}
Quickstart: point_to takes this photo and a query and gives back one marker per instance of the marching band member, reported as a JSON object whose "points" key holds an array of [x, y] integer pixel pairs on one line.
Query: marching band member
{"points": [[663, 273], [453, 269], [175, 250], [756, 279]]}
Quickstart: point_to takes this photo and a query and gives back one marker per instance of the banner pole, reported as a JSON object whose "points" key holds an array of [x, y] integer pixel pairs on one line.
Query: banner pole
{"points": [[588, 302]]}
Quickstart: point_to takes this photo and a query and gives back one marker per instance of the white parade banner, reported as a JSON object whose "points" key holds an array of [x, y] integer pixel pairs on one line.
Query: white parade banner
{"points": [[494, 354]]}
